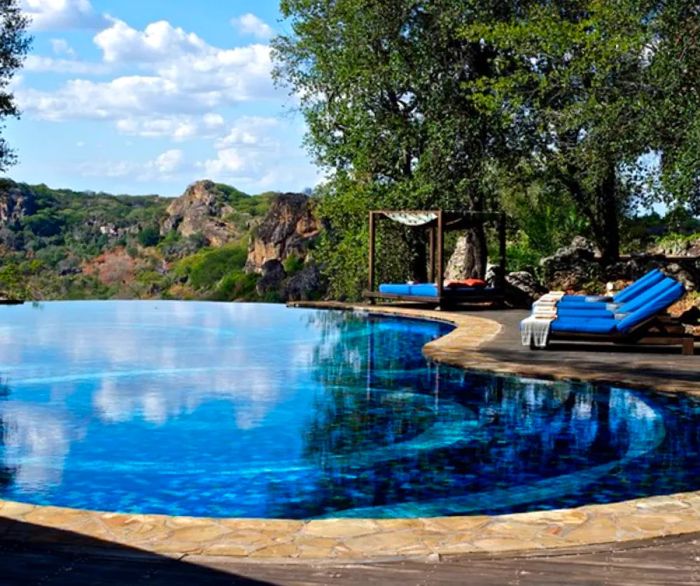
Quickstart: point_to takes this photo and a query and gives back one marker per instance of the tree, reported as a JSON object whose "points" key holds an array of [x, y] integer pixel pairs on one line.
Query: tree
{"points": [[672, 102], [382, 87], [14, 45], [569, 85]]}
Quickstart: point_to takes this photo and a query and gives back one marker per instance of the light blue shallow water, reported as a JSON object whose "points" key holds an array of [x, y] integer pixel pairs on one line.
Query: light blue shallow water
{"points": [[261, 411]]}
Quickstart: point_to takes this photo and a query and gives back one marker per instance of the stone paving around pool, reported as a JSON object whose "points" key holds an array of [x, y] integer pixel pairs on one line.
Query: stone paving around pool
{"points": [[359, 539], [368, 539]]}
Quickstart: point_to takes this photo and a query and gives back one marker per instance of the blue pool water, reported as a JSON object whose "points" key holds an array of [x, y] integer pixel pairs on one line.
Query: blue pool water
{"points": [[261, 411]]}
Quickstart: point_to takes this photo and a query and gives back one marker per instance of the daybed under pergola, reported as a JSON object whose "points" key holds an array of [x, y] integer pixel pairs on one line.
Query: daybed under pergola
{"points": [[436, 223]]}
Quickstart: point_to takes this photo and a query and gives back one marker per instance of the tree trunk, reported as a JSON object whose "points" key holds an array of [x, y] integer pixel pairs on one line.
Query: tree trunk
{"points": [[470, 256], [606, 226], [601, 210]]}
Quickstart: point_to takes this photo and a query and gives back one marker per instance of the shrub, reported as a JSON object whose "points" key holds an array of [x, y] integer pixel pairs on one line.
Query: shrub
{"points": [[206, 268], [149, 236]]}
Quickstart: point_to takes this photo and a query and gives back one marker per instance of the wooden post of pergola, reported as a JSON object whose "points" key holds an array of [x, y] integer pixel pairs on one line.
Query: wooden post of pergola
{"points": [[502, 248], [440, 253], [372, 239]]}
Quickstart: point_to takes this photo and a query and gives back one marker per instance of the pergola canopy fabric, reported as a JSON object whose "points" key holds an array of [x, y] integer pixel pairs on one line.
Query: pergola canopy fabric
{"points": [[412, 218]]}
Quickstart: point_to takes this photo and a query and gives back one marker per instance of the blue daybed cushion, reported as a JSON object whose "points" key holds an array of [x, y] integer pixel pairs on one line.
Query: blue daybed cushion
{"points": [[424, 290], [395, 288], [427, 290], [660, 303], [584, 326], [406, 290]]}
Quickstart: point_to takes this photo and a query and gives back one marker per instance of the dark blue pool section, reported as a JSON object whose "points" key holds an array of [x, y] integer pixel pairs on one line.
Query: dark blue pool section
{"points": [[237, 410]]}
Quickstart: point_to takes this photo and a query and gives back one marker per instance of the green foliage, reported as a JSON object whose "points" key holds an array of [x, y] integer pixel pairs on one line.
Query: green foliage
{"points": [[293, 264], [207, 267], [569, 82], [415, 104], [12, 282], [676, 243], [236, 285], [545, 216], [149, 236], [14, 46]]}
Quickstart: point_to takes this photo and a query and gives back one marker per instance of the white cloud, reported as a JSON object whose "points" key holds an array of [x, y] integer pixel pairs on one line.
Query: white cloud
{"points": [[62, 14], [180, 75], [249, 24], [40, 64], [261, 153], [165, 166], [159, 41], [169, 162], [227, 162], [251, 131], [177, 128], [62, 47]]}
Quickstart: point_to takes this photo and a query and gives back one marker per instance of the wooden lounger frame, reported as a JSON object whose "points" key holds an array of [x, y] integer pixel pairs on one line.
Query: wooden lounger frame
{"points": [[660, 330], [444, 221]]}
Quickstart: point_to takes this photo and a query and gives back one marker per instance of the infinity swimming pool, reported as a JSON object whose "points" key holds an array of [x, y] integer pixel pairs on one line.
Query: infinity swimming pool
{"points": [[237, 410]]}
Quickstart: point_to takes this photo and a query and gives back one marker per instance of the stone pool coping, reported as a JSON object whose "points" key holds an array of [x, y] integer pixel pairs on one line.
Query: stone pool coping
{"points": [[364, 539]]}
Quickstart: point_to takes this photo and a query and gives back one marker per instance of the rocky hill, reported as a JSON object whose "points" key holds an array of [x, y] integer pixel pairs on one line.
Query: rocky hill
{"points": [[61, 244]]}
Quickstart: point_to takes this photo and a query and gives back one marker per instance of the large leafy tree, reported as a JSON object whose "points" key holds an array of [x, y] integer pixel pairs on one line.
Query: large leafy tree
{"points": [[14, 45], [385, 89], [569, 84], [672, 100]]}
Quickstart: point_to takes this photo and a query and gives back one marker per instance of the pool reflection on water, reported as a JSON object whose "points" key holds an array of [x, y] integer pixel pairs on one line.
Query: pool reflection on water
{"points": [[233, 410]]}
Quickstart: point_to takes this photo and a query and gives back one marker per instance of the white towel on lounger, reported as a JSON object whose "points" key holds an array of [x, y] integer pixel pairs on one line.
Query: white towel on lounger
{"points": [[535, 329]]}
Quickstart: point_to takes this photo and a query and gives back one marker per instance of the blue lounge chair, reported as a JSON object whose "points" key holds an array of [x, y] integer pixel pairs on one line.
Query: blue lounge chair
{"points": [[613, 310], [627, 294], [643, 322]]}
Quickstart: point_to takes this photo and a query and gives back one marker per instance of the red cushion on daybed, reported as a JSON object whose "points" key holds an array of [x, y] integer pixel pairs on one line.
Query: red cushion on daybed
{"points": [[465, 283]]}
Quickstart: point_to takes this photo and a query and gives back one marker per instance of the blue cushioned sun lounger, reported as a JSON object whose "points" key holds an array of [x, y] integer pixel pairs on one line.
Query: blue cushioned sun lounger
{"points": [[637, 302], [639, 321], [627, 294]]}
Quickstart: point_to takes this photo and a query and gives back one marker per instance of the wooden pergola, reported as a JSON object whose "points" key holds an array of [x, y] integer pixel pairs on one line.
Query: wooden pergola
{"points": [[437, 223]]}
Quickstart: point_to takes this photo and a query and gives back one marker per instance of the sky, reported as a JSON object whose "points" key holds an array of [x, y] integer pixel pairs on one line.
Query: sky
{"points": [[148, 96]]}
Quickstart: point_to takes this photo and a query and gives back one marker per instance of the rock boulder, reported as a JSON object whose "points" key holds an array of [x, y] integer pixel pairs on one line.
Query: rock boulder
{"points": [[271, 276], [202, 209], [289, 227], [522, 288], [305, 285], [16, 202], [573, 267]]}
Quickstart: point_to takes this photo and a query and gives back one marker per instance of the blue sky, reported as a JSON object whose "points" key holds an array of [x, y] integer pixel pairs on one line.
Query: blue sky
{"points": [[129, 96]]}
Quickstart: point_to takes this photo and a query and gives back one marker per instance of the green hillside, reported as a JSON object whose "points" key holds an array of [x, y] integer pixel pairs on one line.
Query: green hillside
{"points": [[63, 244]]}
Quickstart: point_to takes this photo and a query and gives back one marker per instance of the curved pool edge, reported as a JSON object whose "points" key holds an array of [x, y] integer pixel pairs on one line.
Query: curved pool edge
{"points": [[369, 539]]}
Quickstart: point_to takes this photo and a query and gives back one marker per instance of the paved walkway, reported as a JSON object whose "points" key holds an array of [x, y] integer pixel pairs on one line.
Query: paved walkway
{"points": [[665, 562], [662, 368]]}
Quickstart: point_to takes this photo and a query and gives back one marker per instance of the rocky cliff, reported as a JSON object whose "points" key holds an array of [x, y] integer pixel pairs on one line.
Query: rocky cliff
{"points": [[288, 229], [16, 202], [205, 209]]}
